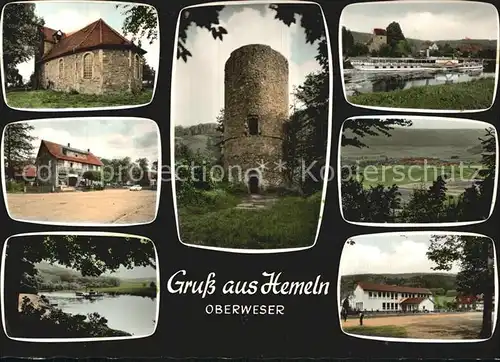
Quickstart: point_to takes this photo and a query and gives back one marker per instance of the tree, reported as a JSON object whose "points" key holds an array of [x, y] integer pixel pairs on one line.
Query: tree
{"points": [[394, 34], [20, 37], [140, 21], [475, 257], [148, 73], [347, 41], [17, 146], [90, 255]]}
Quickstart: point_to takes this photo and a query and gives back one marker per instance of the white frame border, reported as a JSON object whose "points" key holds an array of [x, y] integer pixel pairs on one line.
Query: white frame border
{"points": [[423, 110], [422, 340], [80, 119], [329, 136], [84, 339], [428, 119], [80, 109]]}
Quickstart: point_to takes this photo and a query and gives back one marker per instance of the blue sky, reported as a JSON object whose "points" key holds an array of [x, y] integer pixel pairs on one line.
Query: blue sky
{"points": [[200, 81], [72, 16]]}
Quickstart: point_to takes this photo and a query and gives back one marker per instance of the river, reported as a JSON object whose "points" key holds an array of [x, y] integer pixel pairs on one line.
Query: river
{"points": [[370, 82], [131, 314]]}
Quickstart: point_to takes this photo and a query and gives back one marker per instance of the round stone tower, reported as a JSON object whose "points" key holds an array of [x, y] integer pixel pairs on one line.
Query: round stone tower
{"points": [[255, 109]]}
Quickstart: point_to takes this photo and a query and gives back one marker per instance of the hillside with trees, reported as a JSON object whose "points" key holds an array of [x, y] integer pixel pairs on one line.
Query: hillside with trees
{"points": [[355, 44]]}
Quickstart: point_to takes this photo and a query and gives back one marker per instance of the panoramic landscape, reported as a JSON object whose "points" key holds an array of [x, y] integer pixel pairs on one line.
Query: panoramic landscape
{"points": [[419, 55], [417, 170], [79, 54], [83, 171], [240, 153], [80, 286], [418, 285]]}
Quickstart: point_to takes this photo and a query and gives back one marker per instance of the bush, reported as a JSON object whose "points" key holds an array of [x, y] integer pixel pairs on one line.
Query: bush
{"points": [[13, 186], [475, 94], [290, 222], [199, 201]]}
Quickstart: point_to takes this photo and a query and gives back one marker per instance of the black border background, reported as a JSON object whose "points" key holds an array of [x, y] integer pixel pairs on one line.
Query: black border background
{"points": [[310, 327]]}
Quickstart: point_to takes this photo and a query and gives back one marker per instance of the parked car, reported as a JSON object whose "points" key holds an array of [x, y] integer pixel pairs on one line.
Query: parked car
{"points": [[135, 188]]}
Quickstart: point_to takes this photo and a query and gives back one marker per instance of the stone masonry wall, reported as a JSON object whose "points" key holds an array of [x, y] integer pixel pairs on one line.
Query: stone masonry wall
{"points": [[119, 72], [113, 71], [256, 84], [72, 78]]}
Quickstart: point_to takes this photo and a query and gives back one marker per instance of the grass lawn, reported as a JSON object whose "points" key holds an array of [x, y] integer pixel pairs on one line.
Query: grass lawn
{"points": [[389, 175], [130, 288], [289, 222], [52, 99], [476, 94], [378, 331]]}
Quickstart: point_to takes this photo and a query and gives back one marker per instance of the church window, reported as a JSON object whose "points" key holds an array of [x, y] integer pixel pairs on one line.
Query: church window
{"points": [[87, 66], [137, 68], [61, 68], [253, 125]]}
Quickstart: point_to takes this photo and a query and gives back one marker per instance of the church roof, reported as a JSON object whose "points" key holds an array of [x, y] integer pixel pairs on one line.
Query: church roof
{"points": [[56, 150], [94, 36]]}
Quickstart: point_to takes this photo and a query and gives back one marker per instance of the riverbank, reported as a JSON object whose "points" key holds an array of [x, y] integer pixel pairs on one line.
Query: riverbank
{"points": [[130, 289], [38, 318], [476, 94]]}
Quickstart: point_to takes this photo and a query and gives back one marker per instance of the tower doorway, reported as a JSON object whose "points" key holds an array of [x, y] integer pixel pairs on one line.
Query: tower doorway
{"points": [[253, 182]]}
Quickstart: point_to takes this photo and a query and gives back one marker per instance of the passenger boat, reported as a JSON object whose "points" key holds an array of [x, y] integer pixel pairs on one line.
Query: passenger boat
{"points": [[374, 64], [90, 295]]}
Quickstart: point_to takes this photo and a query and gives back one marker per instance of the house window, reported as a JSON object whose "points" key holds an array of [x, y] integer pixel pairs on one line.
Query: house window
{"points": [[253, 125], [87, 66], [379, 294], [370, 294], [383, 306], [61, 68], [137, 68]]}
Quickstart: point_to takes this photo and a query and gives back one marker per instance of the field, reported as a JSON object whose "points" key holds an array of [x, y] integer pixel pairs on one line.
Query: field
{"points": [[216, 220], [53, 99], [109, 206], [476, 94], [432, 326], [131, 287]]}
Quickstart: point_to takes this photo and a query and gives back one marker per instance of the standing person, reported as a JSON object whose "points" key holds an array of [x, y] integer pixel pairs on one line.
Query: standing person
{"points": [[361, 316], [344, 314], [345, 308]]}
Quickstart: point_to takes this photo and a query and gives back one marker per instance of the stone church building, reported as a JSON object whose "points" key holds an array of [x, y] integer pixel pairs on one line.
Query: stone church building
{"points": [[92, 60]]}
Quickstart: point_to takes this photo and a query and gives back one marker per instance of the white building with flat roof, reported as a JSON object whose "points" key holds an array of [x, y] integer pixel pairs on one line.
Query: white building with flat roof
{"points": [[391, 298]]}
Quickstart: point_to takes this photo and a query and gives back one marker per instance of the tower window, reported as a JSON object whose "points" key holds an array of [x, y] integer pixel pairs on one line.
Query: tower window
{"points": [[253, 125]]}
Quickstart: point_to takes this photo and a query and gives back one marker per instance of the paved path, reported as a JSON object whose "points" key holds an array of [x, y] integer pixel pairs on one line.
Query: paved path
{"points": [[112, 206], [256, 202]]}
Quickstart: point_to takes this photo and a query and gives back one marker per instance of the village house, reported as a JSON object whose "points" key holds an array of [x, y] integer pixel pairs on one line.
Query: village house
{"points": [[92, 60], [61, 166], [26, 174], [379, 38], [391, 298]]}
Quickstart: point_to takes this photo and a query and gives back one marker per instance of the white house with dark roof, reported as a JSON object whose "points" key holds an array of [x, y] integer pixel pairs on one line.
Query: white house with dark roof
{"points": [[391, 298]]}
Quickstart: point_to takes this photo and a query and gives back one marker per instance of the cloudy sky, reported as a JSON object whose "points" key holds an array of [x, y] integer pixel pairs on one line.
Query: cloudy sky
{"points": [[450, 20], [199, 83], [115, 138], [72, 16], [388, 253]]}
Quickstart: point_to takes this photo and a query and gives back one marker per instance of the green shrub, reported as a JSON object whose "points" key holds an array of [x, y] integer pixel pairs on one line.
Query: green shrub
{"points": [[475, 94], [290, 222], [13, 186]]}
